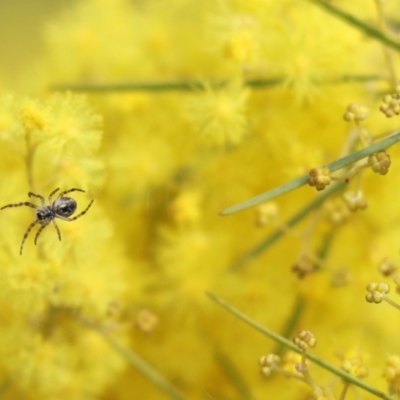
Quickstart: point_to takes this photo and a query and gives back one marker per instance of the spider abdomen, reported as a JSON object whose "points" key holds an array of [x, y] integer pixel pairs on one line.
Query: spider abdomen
{"points": [[64, 206]]}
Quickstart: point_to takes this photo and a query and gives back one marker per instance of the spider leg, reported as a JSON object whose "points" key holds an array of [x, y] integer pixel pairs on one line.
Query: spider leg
{"points": [[77, 216], [26, 235], [39, 232], [30, 194], [57, 229], [69, 191], [24, 203], [52, 193]]}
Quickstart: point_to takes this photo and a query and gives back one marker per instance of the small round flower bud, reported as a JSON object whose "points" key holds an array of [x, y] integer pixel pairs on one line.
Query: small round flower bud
{"points": [[114, 308], [355, 201], [391, 371], [355, 367], [303, 267], [390, 105], [387, 267], [266, 371], [323, 394], [336, 211], [269, 360], [268, 363], [266, 213], [376, 292], [319, 177], [379, 162], [374, 297], [301, 368], [355, 112], [146, 320], [304, 339]]}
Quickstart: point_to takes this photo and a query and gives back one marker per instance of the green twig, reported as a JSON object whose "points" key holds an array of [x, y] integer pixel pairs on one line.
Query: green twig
{"points": [[5, 385], [141, 365], [294, 220], [285, 342], [362, 26], [189, 85], [325, 247], [291, 323], [154, 86], [234, 376], [302, 180]]}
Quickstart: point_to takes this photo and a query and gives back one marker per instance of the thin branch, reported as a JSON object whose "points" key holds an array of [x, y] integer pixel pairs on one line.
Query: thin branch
{"points": [[302, 180], [359, 24], [5, 385], [234, 376], [142, 366], [280, 339], [294, 220], [292, 322], [191, 84]]}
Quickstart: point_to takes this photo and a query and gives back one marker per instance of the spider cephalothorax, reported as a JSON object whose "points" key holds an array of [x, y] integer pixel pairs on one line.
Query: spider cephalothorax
{"points": [[63, 207]]}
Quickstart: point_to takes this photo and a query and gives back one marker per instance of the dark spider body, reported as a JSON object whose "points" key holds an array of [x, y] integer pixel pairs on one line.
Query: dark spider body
{"points": [[63, 207]]}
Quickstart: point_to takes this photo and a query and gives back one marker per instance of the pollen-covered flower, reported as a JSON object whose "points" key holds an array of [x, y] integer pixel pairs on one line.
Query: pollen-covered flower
{"points": [[34, 115], [218, 114], [74, 127], [12, 133], [160, 160], [234, 31], [184, 210]]}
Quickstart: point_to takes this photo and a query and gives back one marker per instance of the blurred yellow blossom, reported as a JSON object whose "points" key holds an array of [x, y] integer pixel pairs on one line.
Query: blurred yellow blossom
{"points": [[192, 106], [219, 114]]}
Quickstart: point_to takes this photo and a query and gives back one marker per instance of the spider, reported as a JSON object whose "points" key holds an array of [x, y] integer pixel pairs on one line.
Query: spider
{"points": [[63, 207]]}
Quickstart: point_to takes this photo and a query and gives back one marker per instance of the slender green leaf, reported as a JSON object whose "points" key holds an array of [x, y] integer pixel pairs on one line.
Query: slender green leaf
{"points": [[287, 343], [294, 220], [359, 24], [143, 366], [189, 85], [302, 180]]}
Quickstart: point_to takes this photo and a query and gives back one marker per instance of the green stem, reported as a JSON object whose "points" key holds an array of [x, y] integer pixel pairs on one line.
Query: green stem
{"points": [[325, 247], [294, 220], [155, 86], [292, 322], [387, 52], [141, 365], [302, 180], [190, 85], [344, 391], [4, 386], [234, 376], [391, 302], [280, 339], [362, 26]]}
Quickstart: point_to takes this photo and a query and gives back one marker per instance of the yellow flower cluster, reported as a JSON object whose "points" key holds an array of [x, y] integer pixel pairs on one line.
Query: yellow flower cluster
{"points": [[192, 106], [48, 290]]}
